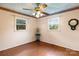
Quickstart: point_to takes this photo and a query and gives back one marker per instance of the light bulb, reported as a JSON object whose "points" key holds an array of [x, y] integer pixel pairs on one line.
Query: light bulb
{"points": [[38, 14], [41, 14], [34, 14]]}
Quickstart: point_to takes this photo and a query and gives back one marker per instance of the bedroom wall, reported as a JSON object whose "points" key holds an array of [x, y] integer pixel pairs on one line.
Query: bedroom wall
{"points": [[9, 36], [64, 37]]}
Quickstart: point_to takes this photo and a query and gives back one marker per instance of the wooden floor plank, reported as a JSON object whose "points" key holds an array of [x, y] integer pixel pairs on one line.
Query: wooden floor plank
{"points": [[38, 48]]}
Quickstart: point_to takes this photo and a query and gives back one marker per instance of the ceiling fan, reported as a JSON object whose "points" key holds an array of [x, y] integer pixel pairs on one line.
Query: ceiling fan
{"points": [[38, 10]]}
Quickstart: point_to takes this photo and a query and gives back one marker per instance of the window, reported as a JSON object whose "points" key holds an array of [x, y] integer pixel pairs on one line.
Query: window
{"points": [[20, 24], [53, 23]]}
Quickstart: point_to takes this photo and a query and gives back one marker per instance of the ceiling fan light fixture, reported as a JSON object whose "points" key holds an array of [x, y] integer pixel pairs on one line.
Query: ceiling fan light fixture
{"points": [[38, 11], [38, 14]]}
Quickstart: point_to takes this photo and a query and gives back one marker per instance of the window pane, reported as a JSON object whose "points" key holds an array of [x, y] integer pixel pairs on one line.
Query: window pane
{"points": [[20, 27], [20, 22], [53, 23]]}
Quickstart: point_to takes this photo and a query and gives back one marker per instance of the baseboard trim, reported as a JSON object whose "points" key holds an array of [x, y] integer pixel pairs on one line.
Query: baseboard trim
{"points": [[60, 46], [18, 45]]}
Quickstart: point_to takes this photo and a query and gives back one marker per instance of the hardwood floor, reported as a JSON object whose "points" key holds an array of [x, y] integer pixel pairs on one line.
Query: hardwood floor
{"points": [[38, 49]]}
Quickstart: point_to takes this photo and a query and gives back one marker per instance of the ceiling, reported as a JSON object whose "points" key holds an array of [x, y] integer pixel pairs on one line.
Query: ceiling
{"points": [[50, 9]]}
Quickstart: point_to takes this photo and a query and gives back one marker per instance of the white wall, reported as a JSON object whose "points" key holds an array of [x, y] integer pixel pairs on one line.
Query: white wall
{"points": [[64, 37], [9, 37]]}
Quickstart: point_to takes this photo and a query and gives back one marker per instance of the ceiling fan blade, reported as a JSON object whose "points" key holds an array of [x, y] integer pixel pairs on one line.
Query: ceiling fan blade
{"points": [[27, 9], [45, 13]]}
